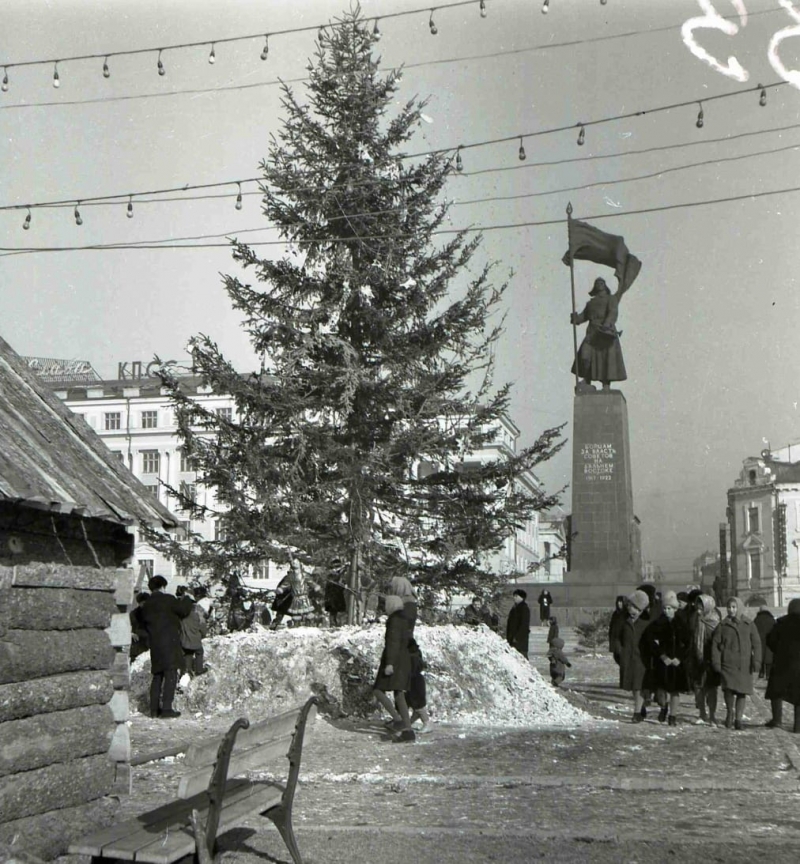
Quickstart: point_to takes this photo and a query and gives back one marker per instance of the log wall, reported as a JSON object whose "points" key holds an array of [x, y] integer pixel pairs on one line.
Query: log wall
{"points": [[64, 680]]}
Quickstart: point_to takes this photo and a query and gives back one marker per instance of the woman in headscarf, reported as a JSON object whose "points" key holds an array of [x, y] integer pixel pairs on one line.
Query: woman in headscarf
{"points": [[703, 680], [399, 586], [784, 678], [735, 655], [394, 672], [618, 617]]}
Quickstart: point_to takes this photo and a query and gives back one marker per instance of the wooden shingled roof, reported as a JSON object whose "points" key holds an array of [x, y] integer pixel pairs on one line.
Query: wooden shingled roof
{"points": [[51, 459]]}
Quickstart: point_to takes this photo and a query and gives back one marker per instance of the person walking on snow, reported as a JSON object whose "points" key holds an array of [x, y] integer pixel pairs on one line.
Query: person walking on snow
{"points": [[736, 655]]}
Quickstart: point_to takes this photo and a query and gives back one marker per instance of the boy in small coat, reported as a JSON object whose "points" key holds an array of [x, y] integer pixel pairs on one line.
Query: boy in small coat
{"points": [[558, 661]]}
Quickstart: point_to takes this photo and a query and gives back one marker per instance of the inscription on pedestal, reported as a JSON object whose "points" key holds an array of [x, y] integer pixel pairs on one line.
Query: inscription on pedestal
{"points": [[598, 462]]}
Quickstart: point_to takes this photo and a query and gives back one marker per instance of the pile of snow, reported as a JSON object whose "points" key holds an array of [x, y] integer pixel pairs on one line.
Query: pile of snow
{"points": [[473, 676]]}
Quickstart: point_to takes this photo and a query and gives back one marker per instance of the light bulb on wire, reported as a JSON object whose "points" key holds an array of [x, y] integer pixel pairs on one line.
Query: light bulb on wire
{"points": [[129, 213], [522, 154], [106, 70], [56, 79], [432, 24], [459, 163], [376, 32], [161, 69], [238, 204], [27, 223], [483, 8], [762, 99], [265, 49], [77, 214], [581, 135], [700, 117], [5, 79], [545, 7], [212, 57]]}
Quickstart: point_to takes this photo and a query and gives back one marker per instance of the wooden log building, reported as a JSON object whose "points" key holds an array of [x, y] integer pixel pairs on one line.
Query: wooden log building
{"points": [[67, 510]]}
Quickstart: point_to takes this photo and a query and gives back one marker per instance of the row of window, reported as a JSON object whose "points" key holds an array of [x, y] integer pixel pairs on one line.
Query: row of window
{"points": [[112, 420], [151, 461]]}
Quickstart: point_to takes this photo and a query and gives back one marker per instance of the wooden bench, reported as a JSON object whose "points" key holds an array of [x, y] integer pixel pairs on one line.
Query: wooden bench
{"points": [[209, 801]]}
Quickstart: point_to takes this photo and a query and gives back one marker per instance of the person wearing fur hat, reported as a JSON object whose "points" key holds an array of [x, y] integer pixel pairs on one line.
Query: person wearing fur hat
{"points": [[702, 678], [784, 678], [558, 662], [518, 626], [628, 647], [665, 643], [735, 655], [394, 672]]}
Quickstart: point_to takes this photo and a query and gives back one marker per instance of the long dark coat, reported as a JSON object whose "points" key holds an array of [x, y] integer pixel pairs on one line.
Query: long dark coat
{"points": [[632, 667], [518, 627], [784, 677], [736, 654], [395, 654], [161, 616], [618, 617], [764, 622], [600, 354], [671, 639]]}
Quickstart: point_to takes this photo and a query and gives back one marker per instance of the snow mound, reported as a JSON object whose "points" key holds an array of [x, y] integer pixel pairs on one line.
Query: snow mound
{"points": [[473, 676]]}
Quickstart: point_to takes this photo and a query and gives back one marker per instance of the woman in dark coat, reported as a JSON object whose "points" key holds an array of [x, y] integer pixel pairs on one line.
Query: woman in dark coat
{"points": [[784, 678], [618, 617], [764, 622], [735, 655], [161, 617], [632, 667], [665, 642], [545, 601], [394, 672], [518, 627]]}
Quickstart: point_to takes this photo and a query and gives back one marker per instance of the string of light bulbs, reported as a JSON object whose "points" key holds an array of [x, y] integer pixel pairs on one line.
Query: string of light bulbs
{"points": [[299, 80], [159, 51], [491, 199], [470, 229], [458, 162]]}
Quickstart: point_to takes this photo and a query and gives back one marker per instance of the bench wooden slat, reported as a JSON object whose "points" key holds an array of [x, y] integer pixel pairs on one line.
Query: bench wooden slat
{"points": [[180, 842], [255, 757], [151, 821], [205, 752]]}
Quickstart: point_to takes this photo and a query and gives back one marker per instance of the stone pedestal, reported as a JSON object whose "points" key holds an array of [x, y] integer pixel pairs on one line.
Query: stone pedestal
{"points": [[606, 547]]}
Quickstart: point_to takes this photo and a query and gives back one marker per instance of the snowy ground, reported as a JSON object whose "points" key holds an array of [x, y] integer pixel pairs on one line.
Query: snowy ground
{"points": [[473, 676]]}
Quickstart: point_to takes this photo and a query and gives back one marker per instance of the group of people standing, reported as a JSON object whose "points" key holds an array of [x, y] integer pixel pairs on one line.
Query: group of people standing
{"points": [[682, 643], [172, 629]]}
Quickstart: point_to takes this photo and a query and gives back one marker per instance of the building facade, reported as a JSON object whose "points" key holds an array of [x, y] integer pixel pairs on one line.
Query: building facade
{"points": [[764, 523]]}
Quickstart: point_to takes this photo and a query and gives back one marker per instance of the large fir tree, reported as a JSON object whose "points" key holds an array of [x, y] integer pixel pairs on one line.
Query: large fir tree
{"points": [[378, 350]]}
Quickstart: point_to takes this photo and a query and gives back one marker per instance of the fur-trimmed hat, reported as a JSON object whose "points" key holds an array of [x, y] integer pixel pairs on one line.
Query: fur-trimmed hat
{"points": [[670, 599], [639, 600]]}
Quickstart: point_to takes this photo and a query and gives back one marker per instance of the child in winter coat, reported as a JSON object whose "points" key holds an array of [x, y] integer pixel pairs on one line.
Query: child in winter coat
{"points": [[666, 642], [552, 632], [735, 656], [416, 697], [558, 661]]}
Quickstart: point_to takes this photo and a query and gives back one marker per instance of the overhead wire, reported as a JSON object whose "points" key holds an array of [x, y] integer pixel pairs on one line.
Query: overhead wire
{"points": [[435, 152], [235, 87], [471, 229]]}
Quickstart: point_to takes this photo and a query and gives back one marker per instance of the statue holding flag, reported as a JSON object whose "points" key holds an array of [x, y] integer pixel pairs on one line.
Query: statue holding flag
{"points": [[600, 355]]}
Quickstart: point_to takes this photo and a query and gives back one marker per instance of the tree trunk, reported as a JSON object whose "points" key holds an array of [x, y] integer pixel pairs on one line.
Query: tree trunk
{"points": [[58, 737], [55, 609], [68, 784], [57, 693], [26, 654], [49, 834]]}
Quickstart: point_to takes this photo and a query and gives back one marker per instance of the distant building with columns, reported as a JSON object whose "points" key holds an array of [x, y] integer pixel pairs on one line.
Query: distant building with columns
{"points": [[764, 524]]}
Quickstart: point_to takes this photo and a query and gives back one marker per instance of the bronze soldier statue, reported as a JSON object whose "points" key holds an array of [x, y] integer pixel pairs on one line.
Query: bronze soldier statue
{"points": [[600, 354]]}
